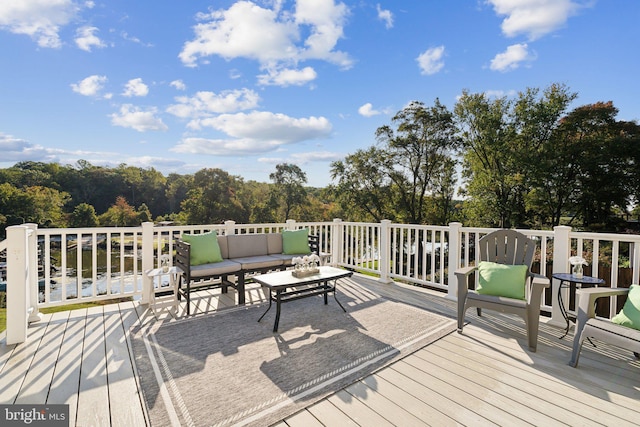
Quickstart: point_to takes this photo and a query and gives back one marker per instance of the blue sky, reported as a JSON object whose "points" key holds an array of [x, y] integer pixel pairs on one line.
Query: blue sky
{"points": [[245, 85]]}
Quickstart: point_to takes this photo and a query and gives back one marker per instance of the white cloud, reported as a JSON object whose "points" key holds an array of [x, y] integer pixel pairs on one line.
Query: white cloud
{"points": [[135, 118], [39, 19], [17, 150], [90, 86], [86, 38], [430, 61], [386, 16], [135, 87], [303, 158], [178, 84], [511, 58], [256, 132], [270, 36], [287, 77], [205, 104], [535, 18], [367, 110], [264, 125]]}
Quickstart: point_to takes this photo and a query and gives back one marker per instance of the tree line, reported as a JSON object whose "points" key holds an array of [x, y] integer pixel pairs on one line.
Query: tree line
{"points": [[525, 161]]}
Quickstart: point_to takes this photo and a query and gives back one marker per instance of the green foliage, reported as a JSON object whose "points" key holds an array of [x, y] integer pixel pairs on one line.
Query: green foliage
{"points": [[212, 200], [410, 170], [508, 154], [527, 162], [84, 215], [121, 214], [288, 191]]}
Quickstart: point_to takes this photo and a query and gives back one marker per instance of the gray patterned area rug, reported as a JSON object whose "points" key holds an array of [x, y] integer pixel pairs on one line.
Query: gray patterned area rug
{"points": [[228, 369]]}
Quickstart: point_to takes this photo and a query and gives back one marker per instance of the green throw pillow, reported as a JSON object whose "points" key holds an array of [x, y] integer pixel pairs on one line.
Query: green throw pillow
{"points": [[296, 242], [204, 247], [501, 280], [630, 314]]}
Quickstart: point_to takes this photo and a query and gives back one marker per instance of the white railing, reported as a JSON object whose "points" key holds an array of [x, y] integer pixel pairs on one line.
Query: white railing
{"points": [[63, 266]]}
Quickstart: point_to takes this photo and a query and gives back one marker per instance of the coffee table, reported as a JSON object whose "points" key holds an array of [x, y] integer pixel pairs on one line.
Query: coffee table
{"points": [[284, 287]]}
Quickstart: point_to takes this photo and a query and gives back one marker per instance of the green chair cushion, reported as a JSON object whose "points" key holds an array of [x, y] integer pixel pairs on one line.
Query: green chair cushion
{"points": [[502, 280], [205, 248], [630, 314], [295, 242]]}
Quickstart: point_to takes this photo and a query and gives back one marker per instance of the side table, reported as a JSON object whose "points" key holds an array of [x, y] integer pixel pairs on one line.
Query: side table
{"points": [[163, 296], [571, 281]]}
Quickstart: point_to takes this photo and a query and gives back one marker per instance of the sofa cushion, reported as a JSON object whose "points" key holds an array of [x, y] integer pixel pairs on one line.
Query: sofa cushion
{"points": [[224, 247], [204, 247], [296, 242], [502, 280], [274, 243], [286, 259], [258, 262], [246, 245], [215, 269], [630, 314]]}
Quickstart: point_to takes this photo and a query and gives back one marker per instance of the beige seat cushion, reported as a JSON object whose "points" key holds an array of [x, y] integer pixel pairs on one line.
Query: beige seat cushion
{"points": [[247, 245], [258, 262], [215, 269]]}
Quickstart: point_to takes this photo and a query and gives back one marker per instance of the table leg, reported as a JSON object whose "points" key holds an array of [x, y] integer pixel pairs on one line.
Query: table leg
{"points": [[563, 310], [278, 301], [326, 291], [268, 308], [335, 295]]}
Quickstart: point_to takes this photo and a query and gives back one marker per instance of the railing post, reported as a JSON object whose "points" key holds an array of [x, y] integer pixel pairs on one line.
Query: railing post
{"points": [[32, 259], [385, 251], [147, 260], [454, 259], [290, 225], [229, 227], [17, 284], [336, 242], [561, 254]]}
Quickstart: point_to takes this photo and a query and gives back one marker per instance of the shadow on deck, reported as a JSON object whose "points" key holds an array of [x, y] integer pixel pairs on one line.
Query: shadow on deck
{"points": [[485, 376]]}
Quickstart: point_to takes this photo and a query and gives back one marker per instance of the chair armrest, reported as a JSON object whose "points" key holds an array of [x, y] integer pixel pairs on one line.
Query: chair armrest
{"points": [[465, 271], [587, 298], [462, 274], [539, 280]]}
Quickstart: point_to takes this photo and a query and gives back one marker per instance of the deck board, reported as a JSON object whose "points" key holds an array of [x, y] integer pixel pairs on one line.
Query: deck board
{"points": [[122, 386], [35, 387], [94, 394], [66, 375], [485, 376]]}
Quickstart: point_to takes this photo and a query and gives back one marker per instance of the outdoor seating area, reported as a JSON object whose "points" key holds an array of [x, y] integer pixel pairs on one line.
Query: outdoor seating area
{"points": [[486, 376], [381, 351], [208, 259]]}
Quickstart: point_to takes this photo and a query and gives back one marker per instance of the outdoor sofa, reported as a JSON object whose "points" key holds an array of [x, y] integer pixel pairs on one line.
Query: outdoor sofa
{"points": [[207, 260]]}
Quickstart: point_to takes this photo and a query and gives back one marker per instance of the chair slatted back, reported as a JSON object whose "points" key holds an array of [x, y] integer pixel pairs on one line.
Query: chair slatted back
{"points": [[507, 247]]}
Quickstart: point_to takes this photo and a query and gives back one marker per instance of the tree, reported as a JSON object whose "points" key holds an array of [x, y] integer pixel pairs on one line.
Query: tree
{"points": [[84, 215], [288, 190], [605, 153], [144, 214], [396, 179], [213, 199], [176, 189], [504, 145], [120, 214], [363, 190], [414, 152]]}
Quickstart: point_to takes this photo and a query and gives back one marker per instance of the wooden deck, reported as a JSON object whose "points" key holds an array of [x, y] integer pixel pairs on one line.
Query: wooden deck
{"points": [[485, 376]]}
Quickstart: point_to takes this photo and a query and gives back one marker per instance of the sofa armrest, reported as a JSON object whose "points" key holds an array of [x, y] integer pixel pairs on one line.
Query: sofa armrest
{"points": [[183, 257], [314, 244]]}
